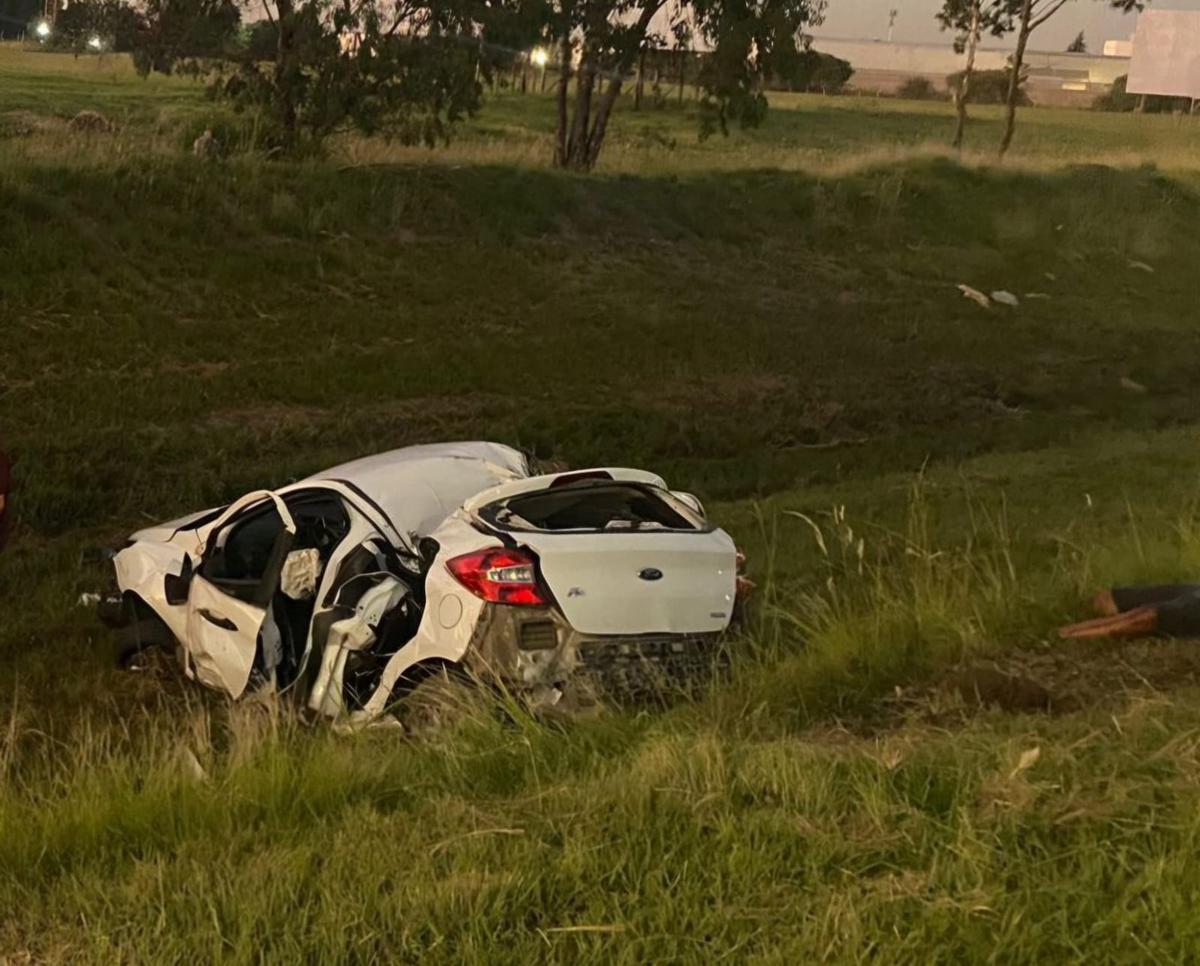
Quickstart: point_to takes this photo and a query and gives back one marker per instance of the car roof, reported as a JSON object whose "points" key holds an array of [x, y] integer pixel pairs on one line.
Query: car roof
{"points": [[418, 487]]}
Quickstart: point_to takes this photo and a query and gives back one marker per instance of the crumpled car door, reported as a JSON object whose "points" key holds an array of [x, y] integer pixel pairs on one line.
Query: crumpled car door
{"points": [[224, 618]]}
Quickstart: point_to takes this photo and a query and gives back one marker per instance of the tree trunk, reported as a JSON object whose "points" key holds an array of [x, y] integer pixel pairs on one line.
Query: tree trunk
{"points": [[1014, 82], [287, 73], [639, 87], [600, 126], [579, 147], [564, 83], [585, 85], [964, 88], [682, 74]]}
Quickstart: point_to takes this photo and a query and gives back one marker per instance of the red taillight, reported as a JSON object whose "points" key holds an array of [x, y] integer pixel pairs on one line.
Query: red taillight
{"points": [[744, 587], [500, 575]]}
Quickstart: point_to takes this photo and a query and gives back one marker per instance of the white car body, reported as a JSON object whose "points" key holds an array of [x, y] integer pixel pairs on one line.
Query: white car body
{"points": [[348, 583]]}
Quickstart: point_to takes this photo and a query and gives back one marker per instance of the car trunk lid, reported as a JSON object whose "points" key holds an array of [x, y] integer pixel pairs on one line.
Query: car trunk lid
{"points": [[639, 582]]}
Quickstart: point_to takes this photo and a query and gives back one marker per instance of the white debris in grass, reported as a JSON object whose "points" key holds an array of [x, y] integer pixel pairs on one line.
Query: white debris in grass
{"points": [[975, 295]]}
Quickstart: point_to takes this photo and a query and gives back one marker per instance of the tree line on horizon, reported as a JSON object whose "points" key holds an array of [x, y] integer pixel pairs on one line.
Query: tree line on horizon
{"points": [[410, 69]]}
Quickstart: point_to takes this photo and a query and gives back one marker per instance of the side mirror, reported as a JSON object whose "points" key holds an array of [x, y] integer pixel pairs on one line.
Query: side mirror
{"points": [[177, 588], [691, 502]]}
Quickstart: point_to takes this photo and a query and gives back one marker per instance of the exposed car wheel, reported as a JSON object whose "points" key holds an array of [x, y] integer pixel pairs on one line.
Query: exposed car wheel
{"points": [[143, 641], [440, 700]]}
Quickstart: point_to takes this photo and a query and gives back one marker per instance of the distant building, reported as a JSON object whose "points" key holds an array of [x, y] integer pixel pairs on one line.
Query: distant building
{"points": [[1054, 78]]}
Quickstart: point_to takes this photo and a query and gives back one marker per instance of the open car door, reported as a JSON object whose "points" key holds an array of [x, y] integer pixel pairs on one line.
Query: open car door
{"points": [[231, 591]]}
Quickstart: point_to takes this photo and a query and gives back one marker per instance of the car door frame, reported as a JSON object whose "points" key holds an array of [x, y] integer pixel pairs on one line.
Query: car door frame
{"points": [[222, 628]]}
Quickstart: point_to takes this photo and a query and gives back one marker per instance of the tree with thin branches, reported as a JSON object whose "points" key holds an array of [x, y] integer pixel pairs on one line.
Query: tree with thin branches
{"points": [[970, 19], [405, 68], [599, 42], [1033, 14]]}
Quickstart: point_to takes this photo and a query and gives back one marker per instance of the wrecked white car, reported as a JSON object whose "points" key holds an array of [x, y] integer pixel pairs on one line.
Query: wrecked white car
{"points": [[350, 586]]}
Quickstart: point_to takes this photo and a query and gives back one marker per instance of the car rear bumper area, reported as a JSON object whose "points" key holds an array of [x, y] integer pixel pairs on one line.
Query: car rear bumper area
{"points": [[639, 669], [533, 651]]}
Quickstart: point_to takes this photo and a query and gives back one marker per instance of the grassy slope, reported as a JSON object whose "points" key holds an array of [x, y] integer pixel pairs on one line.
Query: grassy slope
{"points": [[175, 335]]}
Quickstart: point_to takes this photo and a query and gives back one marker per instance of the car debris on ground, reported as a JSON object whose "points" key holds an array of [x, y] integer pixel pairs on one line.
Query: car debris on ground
{"points": [[206, 146], [975, 296], [352, 587]]}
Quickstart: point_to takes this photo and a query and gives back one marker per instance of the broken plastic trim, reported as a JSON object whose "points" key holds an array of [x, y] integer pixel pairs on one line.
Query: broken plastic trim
{"points": [[567, 479]]}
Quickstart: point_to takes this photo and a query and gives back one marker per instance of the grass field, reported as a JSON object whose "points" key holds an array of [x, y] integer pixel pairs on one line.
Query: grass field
{"points": [[924, 487]]}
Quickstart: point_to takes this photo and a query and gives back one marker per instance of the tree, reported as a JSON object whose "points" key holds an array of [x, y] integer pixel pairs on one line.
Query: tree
{"points": [[260, 40], [407, 68], [814, 71], [16, 15], [181, 33], [747, 39], [115, 23], [970, 18], [1078, 45], [1033, 14]]}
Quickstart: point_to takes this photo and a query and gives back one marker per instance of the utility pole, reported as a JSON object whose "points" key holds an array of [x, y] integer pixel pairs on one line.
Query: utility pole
{"points": [[892, 14]]}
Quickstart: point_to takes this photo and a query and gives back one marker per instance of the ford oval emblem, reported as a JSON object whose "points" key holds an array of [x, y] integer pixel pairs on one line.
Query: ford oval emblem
{"points": [[650, 573]]}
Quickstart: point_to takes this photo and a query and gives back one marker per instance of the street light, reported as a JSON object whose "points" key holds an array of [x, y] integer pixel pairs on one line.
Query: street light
{"points": [[540, 57], [42, 29], [95, 43]]}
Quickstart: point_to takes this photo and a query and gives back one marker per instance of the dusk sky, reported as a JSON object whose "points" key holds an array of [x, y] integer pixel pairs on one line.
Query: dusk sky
{"points": [[915, 23]]}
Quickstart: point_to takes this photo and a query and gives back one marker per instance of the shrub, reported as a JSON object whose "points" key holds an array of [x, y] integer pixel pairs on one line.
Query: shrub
{"points": [[114, 22], [815, 72], [234, 134], [918, 89], [261, 40], [988, 87], [1118, 99]]}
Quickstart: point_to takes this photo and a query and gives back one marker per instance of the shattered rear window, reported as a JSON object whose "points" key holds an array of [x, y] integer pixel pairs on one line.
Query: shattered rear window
{"points": [[589, 507]]}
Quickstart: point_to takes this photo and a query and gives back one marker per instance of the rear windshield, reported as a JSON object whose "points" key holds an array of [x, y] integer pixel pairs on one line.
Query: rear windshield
{"points": [[588, 506]]}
